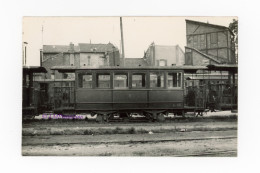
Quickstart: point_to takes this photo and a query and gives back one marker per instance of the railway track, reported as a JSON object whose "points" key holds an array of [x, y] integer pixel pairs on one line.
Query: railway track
{"points": [[201, 147], [137, 120], [127, 142], [210, 154]]}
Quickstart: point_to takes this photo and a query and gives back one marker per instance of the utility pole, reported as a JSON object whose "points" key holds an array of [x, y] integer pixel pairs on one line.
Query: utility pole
{"points": [[24, 53], [42, 36], [41, 51], [122, 41]]}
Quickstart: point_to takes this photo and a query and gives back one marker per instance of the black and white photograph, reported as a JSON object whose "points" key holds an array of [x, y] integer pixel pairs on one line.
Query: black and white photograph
{"points": [[129, 86], [134, 86]]}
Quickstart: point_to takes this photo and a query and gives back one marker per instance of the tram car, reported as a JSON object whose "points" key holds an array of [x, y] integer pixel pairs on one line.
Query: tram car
{"points": [[152, 92], [31, 94]]}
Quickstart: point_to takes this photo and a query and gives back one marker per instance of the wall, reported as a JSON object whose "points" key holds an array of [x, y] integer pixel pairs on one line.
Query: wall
{"points": [[53, 59], [199, 60], [180, 60], [77, 59], [114, 58], [210, 39], [168, 55], [96, 59]]}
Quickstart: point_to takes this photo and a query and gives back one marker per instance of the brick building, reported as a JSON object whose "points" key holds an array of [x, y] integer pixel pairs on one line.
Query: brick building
{"points": [[208, 44], [84, 54]]}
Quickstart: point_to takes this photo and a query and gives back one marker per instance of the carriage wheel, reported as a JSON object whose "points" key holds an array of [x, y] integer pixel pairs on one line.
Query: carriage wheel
{"points": [[160, 117], [99, 118]]}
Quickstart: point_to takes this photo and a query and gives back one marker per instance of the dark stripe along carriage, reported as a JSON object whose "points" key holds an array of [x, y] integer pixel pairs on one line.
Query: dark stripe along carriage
{"points": [[109, 92]]}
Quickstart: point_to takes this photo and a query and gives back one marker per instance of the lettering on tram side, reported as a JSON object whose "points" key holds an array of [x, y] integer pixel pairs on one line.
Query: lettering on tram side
{"points": [[57, 116]]}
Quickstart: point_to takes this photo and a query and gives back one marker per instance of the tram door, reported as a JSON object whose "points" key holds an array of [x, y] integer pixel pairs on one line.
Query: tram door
{"points": [[195, 93], [213, 95], [64, 95], [64, 92], [42, 97], [227, 92], [222, 94]]}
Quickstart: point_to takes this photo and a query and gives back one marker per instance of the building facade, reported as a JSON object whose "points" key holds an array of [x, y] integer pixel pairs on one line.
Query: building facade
{"points": [[160, 55], [208, 44], [84, 54]]}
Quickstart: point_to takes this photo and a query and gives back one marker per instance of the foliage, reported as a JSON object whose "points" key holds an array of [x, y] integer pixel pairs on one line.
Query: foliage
{"points": [[233, 26]]}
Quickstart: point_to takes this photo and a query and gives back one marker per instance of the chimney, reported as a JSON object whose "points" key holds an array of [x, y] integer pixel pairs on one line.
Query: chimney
{"points": [[71, 49]]}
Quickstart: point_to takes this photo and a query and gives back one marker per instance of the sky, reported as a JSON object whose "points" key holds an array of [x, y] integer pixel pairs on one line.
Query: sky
{"points": [[139, 32]]}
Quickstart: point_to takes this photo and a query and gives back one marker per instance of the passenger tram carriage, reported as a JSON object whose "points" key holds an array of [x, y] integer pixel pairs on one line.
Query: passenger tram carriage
{"points": [[152, 92]]}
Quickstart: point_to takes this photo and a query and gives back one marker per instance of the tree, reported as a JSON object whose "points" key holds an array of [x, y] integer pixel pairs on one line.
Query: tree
{"points": [[233, 26]]}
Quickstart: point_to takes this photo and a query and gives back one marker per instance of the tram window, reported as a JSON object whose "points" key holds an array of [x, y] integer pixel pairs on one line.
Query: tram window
{"points": [[85, 81], [27, 80], [69, 76], [138, 80], [174, 80], [156, 80], [120, 81], [103, 80]]}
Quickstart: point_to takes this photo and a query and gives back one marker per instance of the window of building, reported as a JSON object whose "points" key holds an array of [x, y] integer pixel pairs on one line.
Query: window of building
{"points": [[72, 60], [68, 75], [52, 76], [103, 80], [89, 60], [195, 41], [138, 80], [102, 61], [189, 40], [105, 61], [174, 80], [213, 38], [65, 75], [188, 57], [120, 80], [156, 80], [202, 37], [162, 62], [202, 42], [85, 80]]}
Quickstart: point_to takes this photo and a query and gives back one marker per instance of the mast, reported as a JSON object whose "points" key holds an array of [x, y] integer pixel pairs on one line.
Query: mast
{"points": [[122, 41]]}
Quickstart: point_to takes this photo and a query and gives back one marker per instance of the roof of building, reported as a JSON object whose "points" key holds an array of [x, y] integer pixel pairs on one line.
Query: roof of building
{"points": [[205, 55], [134, 62], [191, 69], [208, 24], [224, 67], [34, 69], [86, 47], [82, 47], [186, 68], [58, 48]]}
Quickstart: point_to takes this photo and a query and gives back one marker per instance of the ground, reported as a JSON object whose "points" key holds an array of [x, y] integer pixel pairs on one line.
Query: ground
{"points": [[180, 137]]}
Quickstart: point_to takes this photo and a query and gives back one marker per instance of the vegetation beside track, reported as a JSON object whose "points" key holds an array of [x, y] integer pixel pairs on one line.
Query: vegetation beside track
{"points": [[118, 130]]}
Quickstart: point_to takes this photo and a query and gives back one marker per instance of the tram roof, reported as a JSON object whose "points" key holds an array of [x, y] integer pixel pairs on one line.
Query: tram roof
{"points": [[34, 69], [223, 67], [188, 69]]}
